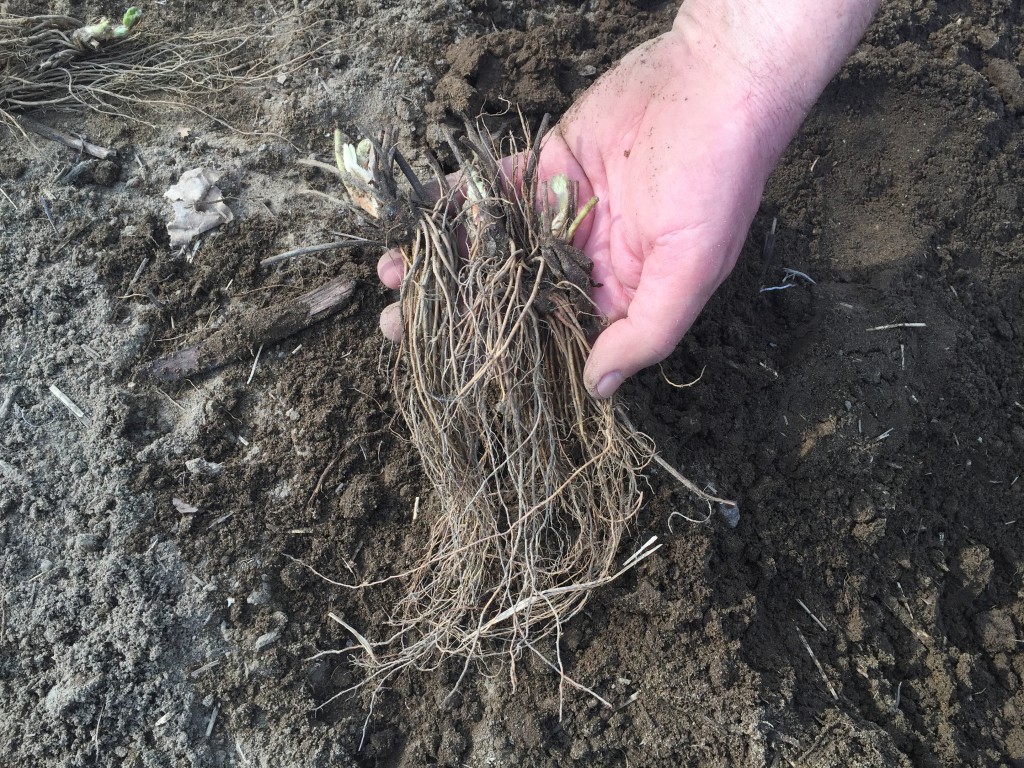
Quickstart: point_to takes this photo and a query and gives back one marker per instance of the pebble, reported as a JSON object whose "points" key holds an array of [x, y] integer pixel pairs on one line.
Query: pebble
{"points": [[731, 513], [88, 542], [260, 596], [267, 639], [204, 467]]}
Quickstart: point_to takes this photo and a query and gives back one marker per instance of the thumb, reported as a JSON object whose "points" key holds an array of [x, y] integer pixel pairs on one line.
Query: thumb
{"points": [[675, 284]]}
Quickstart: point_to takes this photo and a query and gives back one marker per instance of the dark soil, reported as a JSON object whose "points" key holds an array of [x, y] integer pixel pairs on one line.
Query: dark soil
{"points": [[868, 610]]}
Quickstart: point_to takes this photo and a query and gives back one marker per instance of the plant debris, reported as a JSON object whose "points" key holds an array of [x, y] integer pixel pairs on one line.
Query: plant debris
{"points": [[50, 62], [254, 327], [198, 206]]}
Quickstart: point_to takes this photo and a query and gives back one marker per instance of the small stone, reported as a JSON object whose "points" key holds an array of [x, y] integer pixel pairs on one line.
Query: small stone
{"points": [[88, 542], [731, 513], [259, 596], [267, 639], [204, 467]]}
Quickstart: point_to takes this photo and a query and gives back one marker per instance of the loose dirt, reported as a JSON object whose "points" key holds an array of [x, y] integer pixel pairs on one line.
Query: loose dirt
{"points": [[868, 610]]}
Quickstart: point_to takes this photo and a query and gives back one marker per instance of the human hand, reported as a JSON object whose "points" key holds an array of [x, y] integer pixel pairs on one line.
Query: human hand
{"points": [[676, 142]]}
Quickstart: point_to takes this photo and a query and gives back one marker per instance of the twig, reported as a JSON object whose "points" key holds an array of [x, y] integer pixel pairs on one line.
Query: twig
{"points": [[8, 198], [686, 483], [272, 260], [62, 138], [77, 170], [323, 475], [221, 519], [205, 668], [96, 732], [359, 638], [689, 485], [816, 620], [906, 602], [254, 364], [255, 327], [5, 406], [896, 325], [769, 240], [67, 402], [138, 272], [49, 214], [681, 386], [213, 719], [821, 670]]}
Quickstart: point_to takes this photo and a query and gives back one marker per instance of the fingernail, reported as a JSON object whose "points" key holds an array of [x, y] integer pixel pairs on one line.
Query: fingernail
{"points": [[608, 384]]}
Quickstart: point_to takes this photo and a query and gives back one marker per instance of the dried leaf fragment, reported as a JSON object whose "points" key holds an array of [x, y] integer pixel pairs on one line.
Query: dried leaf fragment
{"points": [[198, 206]]}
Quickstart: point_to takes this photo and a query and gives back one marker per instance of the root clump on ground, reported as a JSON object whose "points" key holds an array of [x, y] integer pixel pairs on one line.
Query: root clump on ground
{"points": [[55, 62]]}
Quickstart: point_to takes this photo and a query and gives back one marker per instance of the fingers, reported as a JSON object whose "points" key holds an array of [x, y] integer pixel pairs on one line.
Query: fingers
{"points": [[676, 283], [556, 158], [391, 322], [390, 268]]}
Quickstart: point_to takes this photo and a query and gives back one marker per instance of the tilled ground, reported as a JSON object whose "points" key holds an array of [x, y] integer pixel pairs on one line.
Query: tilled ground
{"points": [[867, 611]]}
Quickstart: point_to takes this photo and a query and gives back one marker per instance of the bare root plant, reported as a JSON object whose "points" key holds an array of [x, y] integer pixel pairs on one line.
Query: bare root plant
{"points": [[534, 481], [57, 62]]}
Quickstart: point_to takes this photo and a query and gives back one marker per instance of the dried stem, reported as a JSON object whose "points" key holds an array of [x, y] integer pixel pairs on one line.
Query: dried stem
{"points": [[44, 66]]}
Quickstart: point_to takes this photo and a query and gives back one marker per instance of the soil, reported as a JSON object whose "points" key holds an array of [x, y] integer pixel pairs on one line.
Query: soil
{"points": [[868, 609]]}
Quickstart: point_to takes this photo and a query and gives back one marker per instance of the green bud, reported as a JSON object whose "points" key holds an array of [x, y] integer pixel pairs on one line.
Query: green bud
{"points": [[130, 17]]}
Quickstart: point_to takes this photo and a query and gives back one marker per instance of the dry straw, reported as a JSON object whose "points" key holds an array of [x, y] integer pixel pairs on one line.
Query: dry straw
{"points": [[534, 481], [50, 62]]}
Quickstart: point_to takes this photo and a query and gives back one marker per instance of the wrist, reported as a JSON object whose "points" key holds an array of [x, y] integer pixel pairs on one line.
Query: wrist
{"points": [[776, 56]]}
